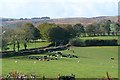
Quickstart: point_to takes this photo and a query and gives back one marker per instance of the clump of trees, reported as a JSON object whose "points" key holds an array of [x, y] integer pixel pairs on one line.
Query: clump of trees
{"points": [[30, 31], [79, 29], [43, 28], [105, 27], [22, 34], [60, 34]]}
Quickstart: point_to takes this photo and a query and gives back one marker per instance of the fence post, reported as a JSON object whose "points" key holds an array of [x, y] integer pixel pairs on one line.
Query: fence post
{"points": [[108, 77]]}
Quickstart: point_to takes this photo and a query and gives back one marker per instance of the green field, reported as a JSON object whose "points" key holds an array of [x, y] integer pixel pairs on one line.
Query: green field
{"points": [[101, 37], [94, 62], [30, 45]]}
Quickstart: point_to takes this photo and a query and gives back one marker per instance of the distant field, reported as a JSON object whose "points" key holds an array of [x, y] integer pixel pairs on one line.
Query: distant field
{"points": [[94, 62], [101, 37]]}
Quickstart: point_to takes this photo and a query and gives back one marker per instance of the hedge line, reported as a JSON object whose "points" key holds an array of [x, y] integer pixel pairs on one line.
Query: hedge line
{"points": [[94, 42]]}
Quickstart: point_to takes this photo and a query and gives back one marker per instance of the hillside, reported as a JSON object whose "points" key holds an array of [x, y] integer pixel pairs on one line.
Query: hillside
{"points": [[82, 20]]}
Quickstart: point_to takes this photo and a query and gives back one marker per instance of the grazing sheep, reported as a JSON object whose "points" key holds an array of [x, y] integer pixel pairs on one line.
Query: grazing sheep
{"points": [[40, 59], [112, 58], [48, 60], [16, 61], [75, 56], [34, 62], [52, 59], [56, 58], [64, 55]]}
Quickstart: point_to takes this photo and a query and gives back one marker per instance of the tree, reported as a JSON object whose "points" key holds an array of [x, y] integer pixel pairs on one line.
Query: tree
{"points": [[113, 28], [4, 44], [90, 30], [118, 29], [98, 29], [102, 30], [43, 28], [79, 29], [18, 45], [36, 34], [25, 44], [106, 25], [69, 29], [6, 38], [30, 32], [58, 35]]}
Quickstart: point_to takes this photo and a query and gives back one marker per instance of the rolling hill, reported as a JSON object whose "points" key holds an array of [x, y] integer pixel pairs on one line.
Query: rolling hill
{"points": [[82, 20]]}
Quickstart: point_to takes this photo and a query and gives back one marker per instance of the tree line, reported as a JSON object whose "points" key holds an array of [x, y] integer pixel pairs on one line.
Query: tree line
{"points": [[57, 34]]}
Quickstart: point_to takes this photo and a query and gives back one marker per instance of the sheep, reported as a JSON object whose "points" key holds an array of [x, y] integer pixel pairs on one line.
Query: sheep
{"points": [[112, 58]]}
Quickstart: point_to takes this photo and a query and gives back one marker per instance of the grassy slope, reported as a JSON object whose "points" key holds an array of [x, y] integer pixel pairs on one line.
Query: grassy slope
{"points": [[94, 62]]}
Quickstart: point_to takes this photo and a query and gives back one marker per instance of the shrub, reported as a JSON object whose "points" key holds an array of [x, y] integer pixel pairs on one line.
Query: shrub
{"points": [[77, 42], [97, 42], [93, 42]]}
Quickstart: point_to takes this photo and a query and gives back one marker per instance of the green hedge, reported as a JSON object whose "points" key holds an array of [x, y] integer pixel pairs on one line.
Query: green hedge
{"points": [[96, 42], [93, 42], [77, 42]]}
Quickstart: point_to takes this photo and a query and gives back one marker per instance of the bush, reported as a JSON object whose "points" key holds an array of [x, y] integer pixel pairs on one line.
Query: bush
{"points": [[77, 42], [97, 42], [93, 42], [58, 43]]}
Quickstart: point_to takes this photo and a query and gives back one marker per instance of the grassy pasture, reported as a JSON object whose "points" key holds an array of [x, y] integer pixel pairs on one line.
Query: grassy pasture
{"points": [[94, 62], [30, 45], [101, 37]]}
